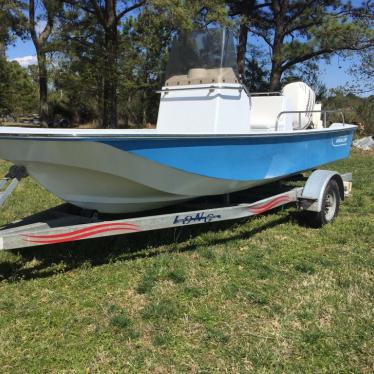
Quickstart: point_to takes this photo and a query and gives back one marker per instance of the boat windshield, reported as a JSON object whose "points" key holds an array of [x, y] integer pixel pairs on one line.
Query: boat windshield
{"points": [[203, 57]]}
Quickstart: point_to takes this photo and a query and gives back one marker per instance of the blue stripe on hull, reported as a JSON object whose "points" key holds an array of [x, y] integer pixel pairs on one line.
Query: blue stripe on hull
{"points": [[243, 159]]}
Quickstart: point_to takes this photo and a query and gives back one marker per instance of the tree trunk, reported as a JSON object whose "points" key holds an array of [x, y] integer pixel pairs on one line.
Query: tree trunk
{"points": [[242, 49], [3, 39], [110, 79], [278, 8], [246, 11], [110, 103], [2, 49], [275, 77], [43, 87], [144, 112], [100, 96], [40, 42], [110, 69], [276, 61]]}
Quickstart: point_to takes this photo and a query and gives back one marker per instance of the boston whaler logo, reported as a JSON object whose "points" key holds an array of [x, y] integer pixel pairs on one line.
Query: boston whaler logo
{"points": [[197, 218], [340, 141]]}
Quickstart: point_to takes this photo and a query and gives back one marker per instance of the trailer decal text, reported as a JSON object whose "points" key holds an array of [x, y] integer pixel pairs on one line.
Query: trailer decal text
{"points": [[197, 218]]}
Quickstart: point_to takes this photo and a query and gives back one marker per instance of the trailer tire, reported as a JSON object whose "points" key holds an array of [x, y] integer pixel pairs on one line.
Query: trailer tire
{"points": [[330, 206]]}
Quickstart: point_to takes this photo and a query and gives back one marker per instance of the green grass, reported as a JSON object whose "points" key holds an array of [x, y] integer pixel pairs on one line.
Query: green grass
{"points": [[265, 295]]}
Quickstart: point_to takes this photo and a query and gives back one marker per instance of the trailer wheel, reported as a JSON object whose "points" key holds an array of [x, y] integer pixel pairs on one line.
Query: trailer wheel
{"points": [[330, 206]]}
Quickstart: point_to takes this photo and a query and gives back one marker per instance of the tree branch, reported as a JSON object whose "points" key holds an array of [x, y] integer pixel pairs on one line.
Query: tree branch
{"points": [[259, 6], [88, 10], [263, 37], [98, 12], [129, 9], [302, 27], [321, 52]]}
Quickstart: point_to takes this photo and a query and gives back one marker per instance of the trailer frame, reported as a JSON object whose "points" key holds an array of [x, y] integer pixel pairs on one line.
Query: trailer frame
{"points": [[61, 226]]}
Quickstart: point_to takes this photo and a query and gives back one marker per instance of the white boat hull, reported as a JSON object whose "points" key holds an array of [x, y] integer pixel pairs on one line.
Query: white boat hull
{"points": [[99, 177], [123, 171]]}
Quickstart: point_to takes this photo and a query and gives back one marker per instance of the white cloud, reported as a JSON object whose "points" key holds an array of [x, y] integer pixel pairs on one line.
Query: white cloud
{"points": [[26, 60]]}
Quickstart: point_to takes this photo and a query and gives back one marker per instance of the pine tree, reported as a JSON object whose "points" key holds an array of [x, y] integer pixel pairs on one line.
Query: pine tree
{"points": [[301, 30], [12, 22], [18, 92], [47, 12]]}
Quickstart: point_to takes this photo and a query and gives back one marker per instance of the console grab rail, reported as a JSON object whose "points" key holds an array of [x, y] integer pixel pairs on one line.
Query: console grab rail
{"points": [[211, 87]]}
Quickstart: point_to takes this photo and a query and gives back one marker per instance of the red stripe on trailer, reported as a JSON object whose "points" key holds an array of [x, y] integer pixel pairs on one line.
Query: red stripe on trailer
{"points": [[84, 230], [269, 205], [81, 234], [77, 237]]}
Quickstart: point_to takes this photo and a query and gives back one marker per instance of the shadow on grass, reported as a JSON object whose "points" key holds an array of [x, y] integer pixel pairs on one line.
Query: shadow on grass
{"points": [[44, 261], [52, 259]]}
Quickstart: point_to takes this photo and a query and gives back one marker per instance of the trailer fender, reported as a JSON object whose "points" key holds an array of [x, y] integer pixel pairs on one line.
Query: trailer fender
{"points": [[313, 191]]}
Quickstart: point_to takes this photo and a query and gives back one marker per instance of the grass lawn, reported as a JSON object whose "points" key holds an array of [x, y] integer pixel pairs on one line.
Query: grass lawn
{"points": [[265, 295]]}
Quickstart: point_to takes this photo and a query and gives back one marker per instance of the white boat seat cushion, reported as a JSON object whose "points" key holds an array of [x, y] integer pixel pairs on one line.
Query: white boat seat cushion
{"points": [[203, 76], [265, 110]]}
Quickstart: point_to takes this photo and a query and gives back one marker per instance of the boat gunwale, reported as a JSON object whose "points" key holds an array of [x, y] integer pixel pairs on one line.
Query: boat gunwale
{"points": [[94, 135]]}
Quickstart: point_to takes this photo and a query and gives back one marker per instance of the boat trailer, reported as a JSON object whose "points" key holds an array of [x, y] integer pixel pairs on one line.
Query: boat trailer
{"points": [[9, 183], [320, 198]]}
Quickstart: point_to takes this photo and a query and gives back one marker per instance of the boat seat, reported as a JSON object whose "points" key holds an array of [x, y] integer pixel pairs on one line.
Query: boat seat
{"points": [[203, 76], [264, 112]]}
